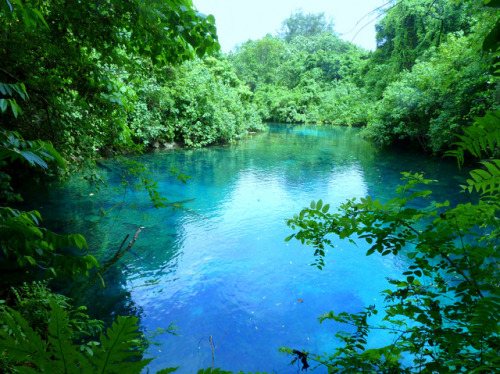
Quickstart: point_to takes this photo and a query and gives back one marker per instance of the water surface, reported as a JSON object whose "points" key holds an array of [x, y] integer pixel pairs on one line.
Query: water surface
{"points": [[219, 267]]}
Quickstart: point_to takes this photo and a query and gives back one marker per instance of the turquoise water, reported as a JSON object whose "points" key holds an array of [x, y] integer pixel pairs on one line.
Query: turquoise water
{"points": [[219, 267]]}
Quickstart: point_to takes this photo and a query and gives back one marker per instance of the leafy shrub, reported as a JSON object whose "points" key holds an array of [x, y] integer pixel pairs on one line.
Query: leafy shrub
{"points": [[32, 302]]}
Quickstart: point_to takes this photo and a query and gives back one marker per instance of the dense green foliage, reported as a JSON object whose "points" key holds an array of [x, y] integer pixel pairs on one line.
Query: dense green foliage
{"points": [[410, 28], [309, 79], [78, 63], [56, 351], [429, 74], [437, 99], [22, 239], [426, 81], [116, 83], [202, 102]]}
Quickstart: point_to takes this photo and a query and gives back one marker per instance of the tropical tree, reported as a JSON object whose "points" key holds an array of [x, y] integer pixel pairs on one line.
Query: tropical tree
{"points": [[300, 24], [296, 81], [430, 90], [409, 28], [78, 63], [201, 103], [258, 62]]}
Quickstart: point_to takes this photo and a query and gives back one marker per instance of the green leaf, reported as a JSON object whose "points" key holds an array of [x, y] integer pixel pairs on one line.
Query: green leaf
{"points": [[49, 149], [167, 370], [3, 105], [5, 89], [79, 241], [33, 159], [20, 340], [66, 356], [117, 348], [16, 109]]}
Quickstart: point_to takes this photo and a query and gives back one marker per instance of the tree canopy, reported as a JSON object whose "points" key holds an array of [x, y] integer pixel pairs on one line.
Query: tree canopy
{"points": [[427, 79], [78, 62], [300, 24]]}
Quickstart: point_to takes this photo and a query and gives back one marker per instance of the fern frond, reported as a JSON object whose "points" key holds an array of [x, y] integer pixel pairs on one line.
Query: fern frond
{"points": [[117, 353], [118, 348], [20, 341], [487, 182], [66, 355], [480, 139]]}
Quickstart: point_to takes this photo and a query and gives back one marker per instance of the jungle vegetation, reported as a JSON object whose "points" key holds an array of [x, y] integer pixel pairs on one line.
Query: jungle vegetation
{"points": [[427, 79], [84, 80]]}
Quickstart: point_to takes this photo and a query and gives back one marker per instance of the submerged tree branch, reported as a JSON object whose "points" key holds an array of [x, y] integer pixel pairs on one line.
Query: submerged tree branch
{"points": [[119, 254]]}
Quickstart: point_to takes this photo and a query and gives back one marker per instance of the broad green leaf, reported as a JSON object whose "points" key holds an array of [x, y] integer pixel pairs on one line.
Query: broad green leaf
{"points": [[79, 241], [3, 105], [33, 159], [16, 109], [319, 204]]}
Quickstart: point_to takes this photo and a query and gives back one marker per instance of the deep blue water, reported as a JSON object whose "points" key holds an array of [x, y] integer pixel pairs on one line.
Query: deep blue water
{"points": [[219, 266]]}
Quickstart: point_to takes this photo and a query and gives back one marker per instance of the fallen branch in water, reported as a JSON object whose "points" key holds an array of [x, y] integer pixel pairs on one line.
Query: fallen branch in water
{"points": [[119, 254], [105, 212]]}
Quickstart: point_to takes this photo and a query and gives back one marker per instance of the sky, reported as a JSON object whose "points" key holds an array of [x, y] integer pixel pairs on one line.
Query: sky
{"points": [[240, 20]]}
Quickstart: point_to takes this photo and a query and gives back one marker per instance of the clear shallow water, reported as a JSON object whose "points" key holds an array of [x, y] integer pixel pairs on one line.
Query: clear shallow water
{"points": [[220, 267]]}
